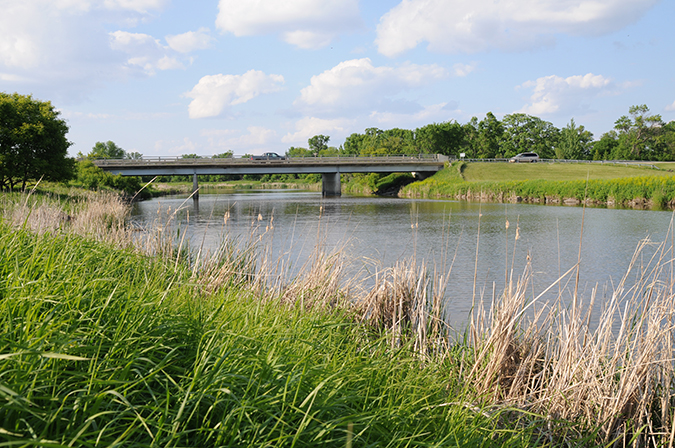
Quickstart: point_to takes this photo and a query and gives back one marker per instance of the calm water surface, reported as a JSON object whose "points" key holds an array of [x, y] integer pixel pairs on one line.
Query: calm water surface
{"points": [[376, 232]]}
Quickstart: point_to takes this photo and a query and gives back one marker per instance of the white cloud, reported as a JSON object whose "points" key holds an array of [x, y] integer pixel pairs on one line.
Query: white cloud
{"points": [[556, 95], [670, 107], [190, 41], [357, 85], [462, 70], [305, 23], [214, 93], [139, 6], [61, 46], [145, 51], [478, 25], [308, 127]]}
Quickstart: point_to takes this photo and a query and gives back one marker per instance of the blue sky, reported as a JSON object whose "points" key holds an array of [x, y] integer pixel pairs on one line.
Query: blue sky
{"points": [[170, 77]]}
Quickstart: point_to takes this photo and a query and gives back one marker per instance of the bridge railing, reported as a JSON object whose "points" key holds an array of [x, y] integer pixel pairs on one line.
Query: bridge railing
{"points": [[314, 159]]}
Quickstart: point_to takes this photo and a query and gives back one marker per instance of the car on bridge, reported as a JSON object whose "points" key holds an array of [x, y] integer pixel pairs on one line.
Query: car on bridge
{"points": [[525, 157], [268, 156]]}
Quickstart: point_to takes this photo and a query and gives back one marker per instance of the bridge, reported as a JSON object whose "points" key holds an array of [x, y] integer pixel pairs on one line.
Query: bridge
{"points": [[329, 167]]}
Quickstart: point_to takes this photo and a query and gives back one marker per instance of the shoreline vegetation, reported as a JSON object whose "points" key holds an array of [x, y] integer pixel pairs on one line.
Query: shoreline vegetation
{"points": [[115, 336], [642, 188]]}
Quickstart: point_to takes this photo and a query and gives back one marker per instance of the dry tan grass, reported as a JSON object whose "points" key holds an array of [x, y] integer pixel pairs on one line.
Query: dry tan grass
{"points": [[101, 216], [618, 374]]}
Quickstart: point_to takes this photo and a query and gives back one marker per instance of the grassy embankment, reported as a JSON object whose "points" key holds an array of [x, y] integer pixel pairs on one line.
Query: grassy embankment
{"points": [[130, 342], [551, 183]]}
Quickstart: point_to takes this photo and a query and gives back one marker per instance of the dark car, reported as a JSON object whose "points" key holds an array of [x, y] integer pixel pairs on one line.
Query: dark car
{"points": [[525, 157], [268, 156]]}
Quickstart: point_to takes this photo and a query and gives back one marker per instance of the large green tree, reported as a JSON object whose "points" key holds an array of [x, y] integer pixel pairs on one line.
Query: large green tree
{"points": [[439, 138], [575, 142], [638, 134], [524, 133], [33, 143]]}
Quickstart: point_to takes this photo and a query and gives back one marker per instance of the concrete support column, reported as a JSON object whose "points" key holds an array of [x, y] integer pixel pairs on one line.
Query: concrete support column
{"points": [[330, 184], [195, 187]]}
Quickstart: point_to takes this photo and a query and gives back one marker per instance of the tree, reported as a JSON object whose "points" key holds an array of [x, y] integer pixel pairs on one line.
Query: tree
{"points": [[439, 138], [574, 143], [318, 143], [225, 155], [604, 148], [133, 156], [33, 142], [294, 151], [525, 133], [638, 134], [107, 150], [490, 133]]}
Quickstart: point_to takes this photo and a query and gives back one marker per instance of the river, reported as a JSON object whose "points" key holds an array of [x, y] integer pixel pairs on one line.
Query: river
{"points": [[462, 238]]}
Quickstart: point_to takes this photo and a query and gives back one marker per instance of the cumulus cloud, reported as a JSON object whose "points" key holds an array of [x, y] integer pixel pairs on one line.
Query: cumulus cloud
{"points": [[190, 41], [61, 45], [308, 24], [478, 25], [145, 51], [308, 127], [359, 86], [462, 70], [554, 94], [670, 107], [213, 94]]}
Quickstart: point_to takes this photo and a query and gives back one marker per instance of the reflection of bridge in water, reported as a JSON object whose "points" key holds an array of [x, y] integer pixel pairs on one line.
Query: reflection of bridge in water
{"points": [[329, 167]]}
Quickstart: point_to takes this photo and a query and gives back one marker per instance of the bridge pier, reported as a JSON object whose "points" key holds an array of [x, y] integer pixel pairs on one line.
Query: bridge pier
{"points": [[330, 184], [195, 187]]}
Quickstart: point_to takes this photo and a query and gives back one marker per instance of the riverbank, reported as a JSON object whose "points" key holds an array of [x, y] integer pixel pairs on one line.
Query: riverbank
{"points": [[652, 189], [133, 340], [165, 188]]}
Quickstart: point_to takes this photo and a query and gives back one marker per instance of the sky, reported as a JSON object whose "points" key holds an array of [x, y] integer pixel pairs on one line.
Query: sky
{"points": [[172, 77]]}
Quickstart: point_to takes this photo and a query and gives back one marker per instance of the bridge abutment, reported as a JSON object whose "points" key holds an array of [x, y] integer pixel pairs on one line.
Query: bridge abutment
{"points": [[330, 184]]}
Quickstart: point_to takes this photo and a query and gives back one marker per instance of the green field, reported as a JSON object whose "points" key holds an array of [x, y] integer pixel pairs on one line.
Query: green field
{"points": [[502, 172]]}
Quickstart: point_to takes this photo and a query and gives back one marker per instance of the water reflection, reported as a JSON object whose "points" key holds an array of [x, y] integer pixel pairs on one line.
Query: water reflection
{"points": [[472, 238]]}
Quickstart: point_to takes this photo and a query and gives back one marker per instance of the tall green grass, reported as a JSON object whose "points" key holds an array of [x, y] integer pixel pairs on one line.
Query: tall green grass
{"points": [[106, 347]]}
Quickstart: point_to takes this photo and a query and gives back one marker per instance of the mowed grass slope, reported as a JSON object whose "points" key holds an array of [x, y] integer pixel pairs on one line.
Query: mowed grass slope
{"points": [[502, 172]]}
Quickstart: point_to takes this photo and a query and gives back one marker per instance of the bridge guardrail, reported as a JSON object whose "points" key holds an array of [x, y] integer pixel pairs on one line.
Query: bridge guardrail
{"points": [[318, 159]]}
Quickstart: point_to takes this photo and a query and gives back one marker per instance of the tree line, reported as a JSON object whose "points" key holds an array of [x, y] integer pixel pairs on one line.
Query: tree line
{"points": [[636, 136], [33, 143]]}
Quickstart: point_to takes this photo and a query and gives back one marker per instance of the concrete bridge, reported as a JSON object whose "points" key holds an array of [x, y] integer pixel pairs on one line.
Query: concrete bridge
{"points": [[329, 167]]}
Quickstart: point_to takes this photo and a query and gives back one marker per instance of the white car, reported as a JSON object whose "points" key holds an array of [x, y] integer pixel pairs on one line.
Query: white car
{"points": [[525, 157]]}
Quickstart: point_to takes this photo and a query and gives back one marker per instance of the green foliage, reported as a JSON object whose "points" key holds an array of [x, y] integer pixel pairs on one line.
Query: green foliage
{"points": [[225, 155], [318, 143], [299, 152], [523, 133], [94, 178], [103, 347], [439, 138], [33, 142], [574, 143], [638, 134], [107, 150]]}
